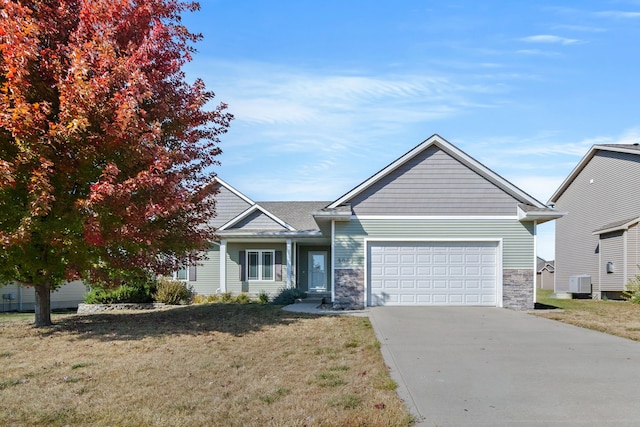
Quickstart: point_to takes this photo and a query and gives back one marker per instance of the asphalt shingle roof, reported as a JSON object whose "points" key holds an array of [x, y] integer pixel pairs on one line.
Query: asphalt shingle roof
{"points": [[296, 214]]}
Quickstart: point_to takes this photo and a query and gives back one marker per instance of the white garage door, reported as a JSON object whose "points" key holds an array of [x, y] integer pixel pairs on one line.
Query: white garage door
{"points": [[433, 273]]}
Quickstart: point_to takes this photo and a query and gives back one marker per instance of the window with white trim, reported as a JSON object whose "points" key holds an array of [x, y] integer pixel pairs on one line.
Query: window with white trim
{"points": [[186, 274], [260, 265]]}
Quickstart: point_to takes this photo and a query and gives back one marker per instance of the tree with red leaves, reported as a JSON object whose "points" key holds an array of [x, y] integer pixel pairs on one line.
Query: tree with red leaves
{"points": [[106, 152]]}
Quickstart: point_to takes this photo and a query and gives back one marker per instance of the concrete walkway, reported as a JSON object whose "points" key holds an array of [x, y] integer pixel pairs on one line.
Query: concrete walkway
{"points": [[472, 366], [314, 308]]}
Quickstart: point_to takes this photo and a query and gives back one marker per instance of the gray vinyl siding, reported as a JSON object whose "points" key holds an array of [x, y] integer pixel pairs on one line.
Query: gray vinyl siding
{"points": [[257, 221], [208, 274], [611, 250], [613, 195], [236, 286], [433, 183], [68, 295], [228, 206], [633, 252], [518, 239]]}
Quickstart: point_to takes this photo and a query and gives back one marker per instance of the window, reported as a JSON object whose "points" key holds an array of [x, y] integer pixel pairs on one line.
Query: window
{"points": [[260, 265], [186, 274]]}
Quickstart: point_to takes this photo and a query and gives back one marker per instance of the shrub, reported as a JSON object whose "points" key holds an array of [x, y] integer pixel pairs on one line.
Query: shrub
{"points": [[263, 297], [243, 298], [226, 297], [632, 294], [213, 298], [173, 292], [288, 296], [199, 299], [122, 294]]}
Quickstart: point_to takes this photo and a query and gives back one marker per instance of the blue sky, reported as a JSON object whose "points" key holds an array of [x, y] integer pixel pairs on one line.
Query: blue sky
{"points": [[326, 93]]}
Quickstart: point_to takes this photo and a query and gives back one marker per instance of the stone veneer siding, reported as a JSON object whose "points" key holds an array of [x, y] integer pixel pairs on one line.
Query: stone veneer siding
{"points": [[517, 289], [349, 289], [96, 308]]}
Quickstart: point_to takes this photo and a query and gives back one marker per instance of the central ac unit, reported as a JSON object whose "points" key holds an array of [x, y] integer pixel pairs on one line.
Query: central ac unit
{"points": [[580, 284]]}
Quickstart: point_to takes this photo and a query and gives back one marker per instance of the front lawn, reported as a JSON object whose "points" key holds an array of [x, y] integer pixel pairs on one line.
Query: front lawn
{"points": [[204, 365], [619, 318]]}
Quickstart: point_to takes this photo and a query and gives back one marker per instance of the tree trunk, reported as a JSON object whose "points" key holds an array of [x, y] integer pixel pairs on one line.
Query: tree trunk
{"points": [[43, 305]]}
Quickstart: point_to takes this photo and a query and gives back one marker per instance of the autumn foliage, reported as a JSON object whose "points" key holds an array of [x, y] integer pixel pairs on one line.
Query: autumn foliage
{"points": [[106, 151]]}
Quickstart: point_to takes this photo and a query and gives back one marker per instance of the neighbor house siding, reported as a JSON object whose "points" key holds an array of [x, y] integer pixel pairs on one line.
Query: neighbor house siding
{"points": [[632, 253], [236, 286], [606, 190], [517, 237], [67, 296], [433, 183], [208, 273], [611, 250], [257, 221], [228, 206]]}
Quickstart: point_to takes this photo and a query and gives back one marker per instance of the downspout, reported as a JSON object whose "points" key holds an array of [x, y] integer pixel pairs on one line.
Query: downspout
{"points": [[625, 254], [333, 260], [223, 266], [535, 262], [288, 263]]}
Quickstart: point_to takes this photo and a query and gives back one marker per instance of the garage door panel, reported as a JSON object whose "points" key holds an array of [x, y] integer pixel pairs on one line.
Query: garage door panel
{"points": [[433, 273]]}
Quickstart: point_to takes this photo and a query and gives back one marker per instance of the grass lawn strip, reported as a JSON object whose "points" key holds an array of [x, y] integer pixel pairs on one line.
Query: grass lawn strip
{"points": [[215, 364], [619, 318]]}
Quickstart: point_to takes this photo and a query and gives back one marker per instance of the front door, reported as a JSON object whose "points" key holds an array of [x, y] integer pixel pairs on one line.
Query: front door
{"points": [[318, 271]]}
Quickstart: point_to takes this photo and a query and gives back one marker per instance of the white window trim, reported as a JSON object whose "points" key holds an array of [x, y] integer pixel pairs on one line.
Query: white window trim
{"points": [[174, 275], [260, 265]]}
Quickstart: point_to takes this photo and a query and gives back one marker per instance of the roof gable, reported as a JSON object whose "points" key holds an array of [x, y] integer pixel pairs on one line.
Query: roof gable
{"points": [[298, 215], [613, 148], [229, 203], [436, 178], [256, 218]]}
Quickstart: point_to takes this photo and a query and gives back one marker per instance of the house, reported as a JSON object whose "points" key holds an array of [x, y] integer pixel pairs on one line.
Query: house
{"points": [[544, 274], [21, 298], [597, 243], [435, 227]]}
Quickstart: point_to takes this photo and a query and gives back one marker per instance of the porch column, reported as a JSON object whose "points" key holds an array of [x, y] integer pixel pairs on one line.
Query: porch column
{"points": [[223, 266], [289, 263]]}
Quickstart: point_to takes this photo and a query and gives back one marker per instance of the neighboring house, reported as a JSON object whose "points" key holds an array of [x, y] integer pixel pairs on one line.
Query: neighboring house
{"points": [[544, 274], [22, 298], [435, 227], [598, 241]]}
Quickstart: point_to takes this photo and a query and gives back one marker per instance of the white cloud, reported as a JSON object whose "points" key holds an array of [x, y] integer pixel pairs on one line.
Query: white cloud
{"points": [[619, 14], [550, 39], [536, 52]]}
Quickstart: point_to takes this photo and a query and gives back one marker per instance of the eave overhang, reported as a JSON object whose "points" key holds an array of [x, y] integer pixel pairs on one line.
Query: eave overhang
{"points": [[528, 213], [617, 226]]}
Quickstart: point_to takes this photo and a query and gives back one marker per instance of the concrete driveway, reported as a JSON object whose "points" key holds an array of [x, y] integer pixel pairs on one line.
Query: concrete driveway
{"points": [[459, 366]]}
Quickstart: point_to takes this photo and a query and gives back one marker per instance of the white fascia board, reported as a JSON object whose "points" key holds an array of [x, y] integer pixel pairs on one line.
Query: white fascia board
{"points": [[251, 210], [436, 217], [329, 216], [233, 190], [237, 218], [539, 217], [275, 218], [268, 234], [455, 152]]}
